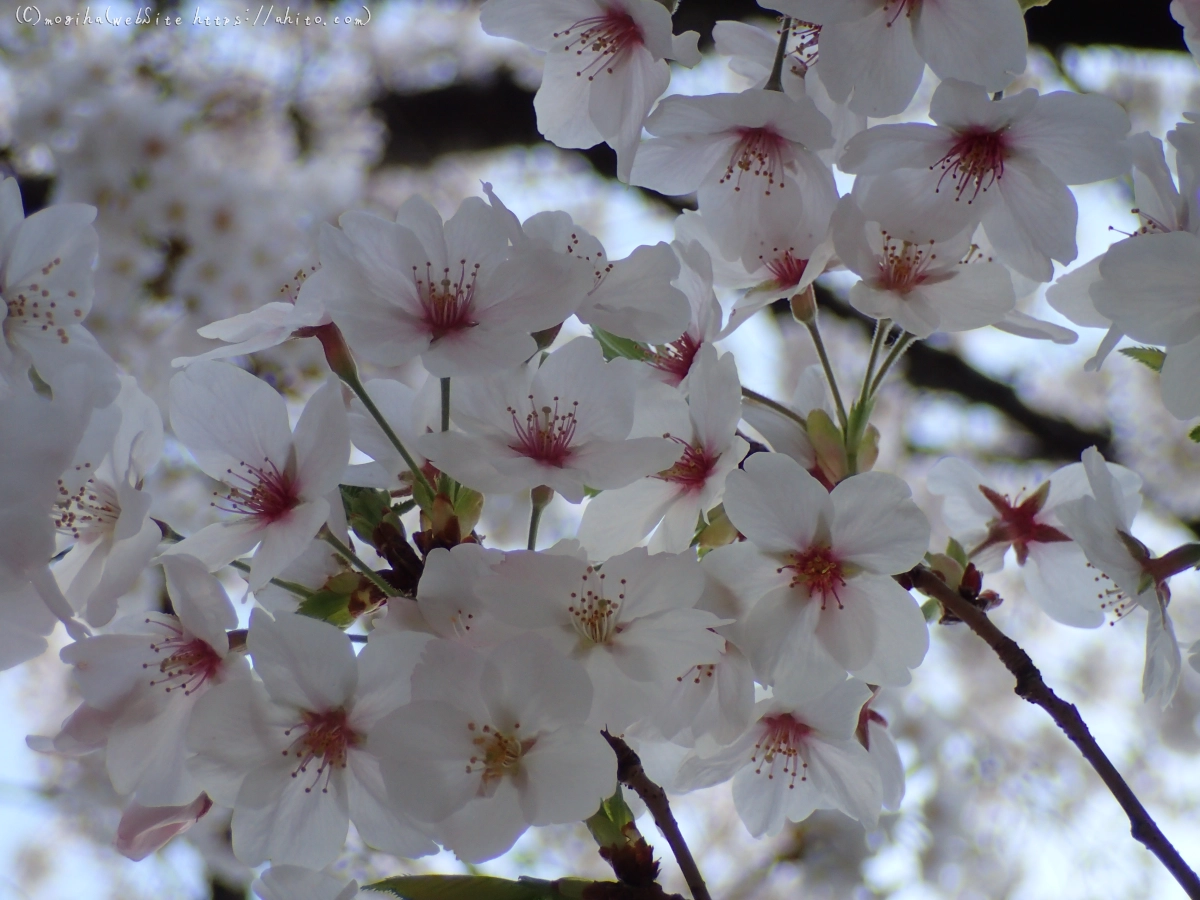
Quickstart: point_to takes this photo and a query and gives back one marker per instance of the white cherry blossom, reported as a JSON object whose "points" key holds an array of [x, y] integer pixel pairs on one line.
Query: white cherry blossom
{"points": [[605, 65], [297, 883], [874, 52], [1004, 162], [671, 502], [817, 567], [565, 424], [493, 744], [278, 481], [291, 755]]}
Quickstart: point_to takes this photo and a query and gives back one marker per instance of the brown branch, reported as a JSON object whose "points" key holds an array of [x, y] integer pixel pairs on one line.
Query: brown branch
{"points": [[1032, 688], [631, 774]]}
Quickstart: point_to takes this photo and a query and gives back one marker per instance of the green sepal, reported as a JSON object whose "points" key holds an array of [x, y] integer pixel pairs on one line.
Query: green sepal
{"points": [[1151, 357], [610, 825], [614, 346], [931, 610], [1194, 434], [1029, 4], [478, 887], [365, 509], [955, 551], [468, 506], [328, 606]]}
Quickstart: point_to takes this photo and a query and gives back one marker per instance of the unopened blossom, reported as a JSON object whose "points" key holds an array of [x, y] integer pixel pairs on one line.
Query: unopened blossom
{"points": [[565, 424], [987, 523], [749, 155], [102, 508], [1127, 576], [633, 297], [800, 755], [605, 65], [455, 293], [873, 52], [632, 622], [290, 754], [492, 744], [46, 284], [277, 482], [267, 326], [671, 502], [816, 570], [146, 829], [146, 677], [921, 283], [1005, 163]]}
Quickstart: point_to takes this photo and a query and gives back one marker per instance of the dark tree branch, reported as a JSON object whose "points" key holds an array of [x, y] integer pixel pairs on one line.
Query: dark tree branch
{"points": [[1032, 688], [631, 774]]}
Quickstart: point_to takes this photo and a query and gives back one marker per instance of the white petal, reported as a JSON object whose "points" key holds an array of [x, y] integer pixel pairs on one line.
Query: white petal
{"points": [[303, 662], [982, 41], [775, 503], [876, 525]]}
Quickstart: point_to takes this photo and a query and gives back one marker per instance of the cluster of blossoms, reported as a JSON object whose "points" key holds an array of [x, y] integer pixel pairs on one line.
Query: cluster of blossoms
{"points": [[736, 592]]}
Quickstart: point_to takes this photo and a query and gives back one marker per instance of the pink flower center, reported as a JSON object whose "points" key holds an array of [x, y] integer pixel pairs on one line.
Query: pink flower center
{"points": [[760, 153], [1017, 524], [91, 512], [327, 738], [820, 572], [786, 269], [447, 305], [675, 358], [603, 40], [904, 265], [496, 754], [975, 162], [546, 434], [592, 613], [692, 469], [269, 494], [782, 744], [189, 662]]}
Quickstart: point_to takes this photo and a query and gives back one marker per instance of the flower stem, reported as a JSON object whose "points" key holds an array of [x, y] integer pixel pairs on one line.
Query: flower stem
{"points": [[349, 555], [761, 400], [775, 81], [445, 404], [540, 498], [1032, 688], [815, 332], [882, 327], [902, 343], [361, 392]]}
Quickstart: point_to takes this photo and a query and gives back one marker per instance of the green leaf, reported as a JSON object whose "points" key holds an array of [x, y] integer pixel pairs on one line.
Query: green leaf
{"points": [[365, 508], [611, 823], [931, 609], [614, 346], [477, 887], [1194, 434], [1027, 4], [955, 551], [1150, 357], [328, 606]]}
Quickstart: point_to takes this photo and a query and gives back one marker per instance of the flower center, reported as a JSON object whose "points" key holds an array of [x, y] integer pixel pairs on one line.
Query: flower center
{"points": [[820, 572], [268, 493], [894, 9], [782, 744], [904, 265], [546, 434], [496, 754], [786, 269], [32, 307], [188, 664], [90, 513], [447, 304], [692, 469], [975, 162], [760, 153], [1017, 524], [328, 738], [594, 615], [602, 42], [675, 358]]}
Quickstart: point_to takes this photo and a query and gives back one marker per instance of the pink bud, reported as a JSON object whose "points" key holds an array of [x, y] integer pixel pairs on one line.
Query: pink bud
{"points": [[144, 829]]}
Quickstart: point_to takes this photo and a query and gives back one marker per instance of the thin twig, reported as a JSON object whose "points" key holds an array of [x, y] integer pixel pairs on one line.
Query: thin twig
{"points": [[775, 80], [445, 404], [360, 390], [631, 774], [1032, 688], [903, 342], [349, 555], [828, 367], [882, 327], [762, 400]]}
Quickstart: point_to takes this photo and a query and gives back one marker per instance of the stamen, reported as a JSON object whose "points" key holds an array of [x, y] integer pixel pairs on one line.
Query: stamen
{"points": [[593, 614], [447, 304], [546, 434], [92, 511], [606, 40], [189, 663], [820, 572], [675, 358], [691, 469], [783, 742], [327, 737], [760, 153], [975, 160], [269, 494]]}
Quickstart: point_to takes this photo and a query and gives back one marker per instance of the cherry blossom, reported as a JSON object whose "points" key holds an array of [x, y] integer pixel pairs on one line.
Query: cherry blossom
{"points": [[267, 326], [749, 155], [236, 426], [800, 755], [816, 566], [671, 502], [297, 883], [987, 522], [1004, 162], [712, 701], [605, 65], [632, 622], [873, 52], [409, 413], [103, 507], [46, 278], [493, 744], [1101, 522], [921, 283], [291, 754], [453, 293], [146, 829], [565, 425]]}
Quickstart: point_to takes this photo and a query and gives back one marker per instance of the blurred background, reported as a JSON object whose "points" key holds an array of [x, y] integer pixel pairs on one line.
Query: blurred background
{"points": [[213, 153]]}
